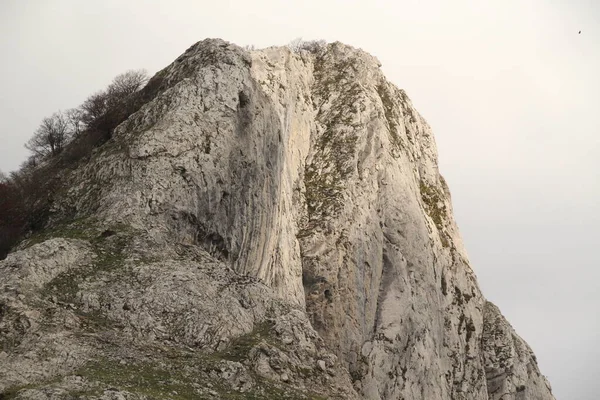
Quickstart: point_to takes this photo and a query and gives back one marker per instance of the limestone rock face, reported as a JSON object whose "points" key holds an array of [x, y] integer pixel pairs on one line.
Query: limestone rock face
{"points": [[510, 367], [270, 223]]}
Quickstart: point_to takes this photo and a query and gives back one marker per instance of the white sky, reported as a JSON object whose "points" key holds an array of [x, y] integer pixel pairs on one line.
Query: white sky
{"points": [[509, 87]]}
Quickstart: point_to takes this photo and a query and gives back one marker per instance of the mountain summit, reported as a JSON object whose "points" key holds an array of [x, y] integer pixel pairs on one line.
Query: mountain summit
{"points": [[270, 224]]}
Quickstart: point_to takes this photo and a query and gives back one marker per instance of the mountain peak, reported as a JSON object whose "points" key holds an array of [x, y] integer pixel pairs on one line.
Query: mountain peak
{"points": [[267, 223]]}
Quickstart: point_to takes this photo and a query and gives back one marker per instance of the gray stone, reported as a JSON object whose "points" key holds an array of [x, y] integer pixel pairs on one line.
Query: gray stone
{"points": [[281, 209], [321, 365]]}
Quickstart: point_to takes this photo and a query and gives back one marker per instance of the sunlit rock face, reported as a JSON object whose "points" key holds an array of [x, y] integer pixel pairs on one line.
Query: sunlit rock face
{"points": [[271, 223]]}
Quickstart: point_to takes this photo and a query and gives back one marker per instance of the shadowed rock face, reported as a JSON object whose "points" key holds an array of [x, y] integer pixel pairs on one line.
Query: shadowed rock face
{"points": [[277, 227]]}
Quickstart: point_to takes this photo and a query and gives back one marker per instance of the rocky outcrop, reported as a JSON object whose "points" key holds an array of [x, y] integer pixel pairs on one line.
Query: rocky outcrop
{"points": [[270, 224], [510, 365]]}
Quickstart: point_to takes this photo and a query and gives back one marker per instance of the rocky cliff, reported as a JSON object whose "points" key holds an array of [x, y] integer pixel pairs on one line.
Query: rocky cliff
{"points": [[270, 224]]}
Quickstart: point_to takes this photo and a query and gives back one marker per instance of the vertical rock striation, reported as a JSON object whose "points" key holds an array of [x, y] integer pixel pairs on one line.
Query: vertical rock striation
{"points": [[297, 190]]}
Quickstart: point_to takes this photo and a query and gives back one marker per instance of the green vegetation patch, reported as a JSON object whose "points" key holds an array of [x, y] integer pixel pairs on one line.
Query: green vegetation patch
{"points": [[109, 246], [435, 207], [179, 374], [335, 149], [392, 114], [184, 376], [76, 229], [240, 347], [151, 379]]}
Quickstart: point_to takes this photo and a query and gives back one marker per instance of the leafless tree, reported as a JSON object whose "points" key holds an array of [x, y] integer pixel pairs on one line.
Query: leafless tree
{"points": [[51, 137], [75, 120], [313, 46], [295, 45], [94, 107], [126, 84], [122, 86]]}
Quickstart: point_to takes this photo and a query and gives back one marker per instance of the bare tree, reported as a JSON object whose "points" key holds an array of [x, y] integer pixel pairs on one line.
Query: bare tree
{"points": [[313, 46], [51, 137], [75, 120], [94, 107], [122, 86], [295, 45], [126, 84]]}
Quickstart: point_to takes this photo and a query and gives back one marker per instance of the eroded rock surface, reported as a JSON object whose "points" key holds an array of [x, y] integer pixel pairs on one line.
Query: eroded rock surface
{"points": [[269, 224]]}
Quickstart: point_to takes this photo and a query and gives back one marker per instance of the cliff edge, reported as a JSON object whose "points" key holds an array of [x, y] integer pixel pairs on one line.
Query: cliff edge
{"points": [[270, 224]]}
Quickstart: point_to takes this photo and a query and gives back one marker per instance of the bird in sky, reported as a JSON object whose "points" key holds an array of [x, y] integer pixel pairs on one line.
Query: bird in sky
{"points": [[580, 32]]}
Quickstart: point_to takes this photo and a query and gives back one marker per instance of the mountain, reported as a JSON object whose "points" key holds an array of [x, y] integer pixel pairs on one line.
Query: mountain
{"points": [[269, 224]]}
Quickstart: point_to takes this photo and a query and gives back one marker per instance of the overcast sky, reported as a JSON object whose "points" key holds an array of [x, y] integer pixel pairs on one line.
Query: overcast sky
{"points": [[510, 88]]}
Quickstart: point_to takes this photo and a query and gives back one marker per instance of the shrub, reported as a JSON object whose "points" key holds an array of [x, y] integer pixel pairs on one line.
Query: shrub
{"points": [[312, 46]]}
